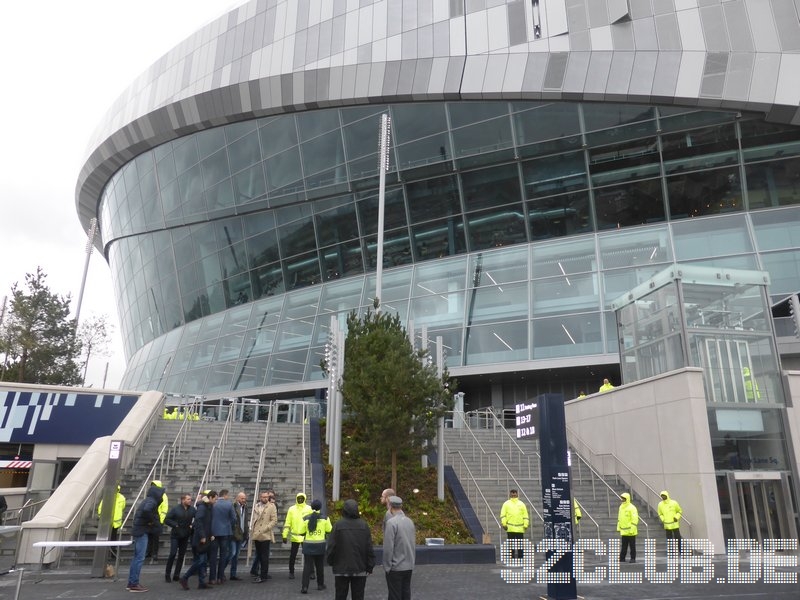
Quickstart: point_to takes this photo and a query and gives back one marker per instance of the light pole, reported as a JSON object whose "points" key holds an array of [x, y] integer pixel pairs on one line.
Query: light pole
{"points": [[91, 234], [383, 166]]}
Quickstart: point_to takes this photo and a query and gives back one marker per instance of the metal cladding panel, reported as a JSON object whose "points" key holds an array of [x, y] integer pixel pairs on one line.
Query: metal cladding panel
{"points": [[301, 55]]}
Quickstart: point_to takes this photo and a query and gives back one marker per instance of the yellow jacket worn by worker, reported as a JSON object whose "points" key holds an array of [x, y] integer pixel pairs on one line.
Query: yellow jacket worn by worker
{"points": [[576, 511], [163, 508], [628, 517], [317, 528], [607, 386], [119, 510], [669, 511], [751, 390], [514, 516], [294, 527]]}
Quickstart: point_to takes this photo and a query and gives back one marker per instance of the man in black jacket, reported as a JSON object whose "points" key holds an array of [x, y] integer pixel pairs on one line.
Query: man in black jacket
{"points": [[179, 518], [201, 540], [145, 521], [350, 553]]}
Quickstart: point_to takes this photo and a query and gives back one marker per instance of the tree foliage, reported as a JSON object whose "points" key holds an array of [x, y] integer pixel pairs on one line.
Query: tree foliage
{"points": [[392, 395], [94, 335], [37, 342]]}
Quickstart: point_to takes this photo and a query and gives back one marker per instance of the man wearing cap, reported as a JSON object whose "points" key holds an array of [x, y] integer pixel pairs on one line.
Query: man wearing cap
{"points": [[399, 547], [294, 526]]}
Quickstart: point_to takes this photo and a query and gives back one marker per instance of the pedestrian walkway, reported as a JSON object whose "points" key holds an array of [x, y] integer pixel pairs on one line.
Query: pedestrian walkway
{"points": [[430, 582]]}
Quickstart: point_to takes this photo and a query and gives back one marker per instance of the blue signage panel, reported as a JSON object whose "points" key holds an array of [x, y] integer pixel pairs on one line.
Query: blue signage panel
{"points": [[60, 417]]}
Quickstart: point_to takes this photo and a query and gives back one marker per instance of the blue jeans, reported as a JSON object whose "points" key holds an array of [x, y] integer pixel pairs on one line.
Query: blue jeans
{"points": [[233, 555], [198, 566], [139, 550]]}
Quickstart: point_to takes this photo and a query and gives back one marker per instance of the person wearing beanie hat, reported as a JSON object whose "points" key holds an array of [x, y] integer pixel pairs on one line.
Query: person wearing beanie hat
{"points": [[316, 530], [294, 528], [350, 553]]}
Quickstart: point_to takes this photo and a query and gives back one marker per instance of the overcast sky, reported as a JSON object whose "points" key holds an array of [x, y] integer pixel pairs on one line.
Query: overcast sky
{"points": [[62, 65]]}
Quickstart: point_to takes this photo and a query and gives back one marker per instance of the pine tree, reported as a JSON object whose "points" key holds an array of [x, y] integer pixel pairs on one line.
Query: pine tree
{"points": [[392, 395], [38, 343]]}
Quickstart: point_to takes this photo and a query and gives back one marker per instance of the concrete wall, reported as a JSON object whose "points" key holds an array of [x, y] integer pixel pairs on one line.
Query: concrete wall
{"points": [[62, 514], [657, 428]]}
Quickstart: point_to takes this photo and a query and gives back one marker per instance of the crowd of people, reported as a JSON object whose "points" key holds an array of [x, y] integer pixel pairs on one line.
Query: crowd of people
{"points": [[218, 529]]}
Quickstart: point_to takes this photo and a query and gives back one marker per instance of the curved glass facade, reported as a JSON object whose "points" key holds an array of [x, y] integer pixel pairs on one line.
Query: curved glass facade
{"points": [[510, 227]]}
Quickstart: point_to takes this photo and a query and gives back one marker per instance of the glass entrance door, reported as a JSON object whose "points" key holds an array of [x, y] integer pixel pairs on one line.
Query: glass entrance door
{"points": [[762, 506]]}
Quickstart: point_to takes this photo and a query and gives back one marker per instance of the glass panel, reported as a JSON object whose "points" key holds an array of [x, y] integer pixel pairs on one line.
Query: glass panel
{"points": [[287, 367], [341, 296], [635, 248], [302, 271], [704, 193], [262, 249], [438, 239], [773, 183], [563, 258], [221, 196], [602, 116], [244, 152], [784, 271], [220, 376], [499, 267], [439, 309], [490, 187], [210, 140], [466, 113], [631, 204], [628, 161], [677, 118], [554, 174], [716, 145], [621, 281], [439, 278], [294, 334], [322, 153], [396, 286], [710, 237], [210, 327], [394, 210], [498, 343], [757, 132], [565, 294], [337, 225], [283, 169], [497, 227], [495, 304], [297, 237], [342, 260], [301, 305], [278, 135], [314, 123], [415, 121], [568, 335], [356, 133], [250, 373], [482, 137], [433, 149], [185, 153], [545, 122], [559, 216], [396, 249]]}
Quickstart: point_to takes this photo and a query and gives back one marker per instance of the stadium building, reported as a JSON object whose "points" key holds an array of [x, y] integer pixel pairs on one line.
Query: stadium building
{"points": [[546, 158]]}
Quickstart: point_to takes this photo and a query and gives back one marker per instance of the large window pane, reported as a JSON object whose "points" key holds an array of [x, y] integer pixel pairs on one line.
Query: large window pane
{"points": [[631, 204], [498, 267], [501, 342], [545, 122], [438, 239], [710, 237], [283, 170], [570, 335], [497, 227], [773, 183], [495, 304], [627, 161], [415, 121], [554, 175], [704, 193], [490, 187], [776, 229], [433, 198], [564, 258], [649, 246], [784, 271], [558, 216], [565, 294], [482, 137]]}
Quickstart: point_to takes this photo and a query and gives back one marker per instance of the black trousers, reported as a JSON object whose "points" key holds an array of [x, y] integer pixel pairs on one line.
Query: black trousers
{"points": [[626, 542], [152, 545], [177, 548], [399, 584], [518, 535], [311, 562], [674, 534], [356, 585], [293, 556], [262, 552]]}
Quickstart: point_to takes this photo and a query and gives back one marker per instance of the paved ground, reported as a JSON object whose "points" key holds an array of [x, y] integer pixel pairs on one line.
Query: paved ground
{"points": [[430, 582]]}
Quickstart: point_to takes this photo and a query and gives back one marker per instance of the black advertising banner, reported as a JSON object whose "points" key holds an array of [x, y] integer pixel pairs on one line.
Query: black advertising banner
{"points": [[556, 493]]}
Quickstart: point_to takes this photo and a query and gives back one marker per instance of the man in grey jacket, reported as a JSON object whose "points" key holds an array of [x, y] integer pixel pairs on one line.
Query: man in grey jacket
{"points": [[399, 547]]}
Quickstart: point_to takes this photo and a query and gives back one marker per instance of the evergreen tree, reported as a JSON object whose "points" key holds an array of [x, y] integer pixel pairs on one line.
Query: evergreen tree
{"points": [[38, 343], [392, 395]]}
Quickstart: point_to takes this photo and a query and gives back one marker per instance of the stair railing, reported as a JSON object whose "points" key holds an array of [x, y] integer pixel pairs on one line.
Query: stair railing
{"points": [[262, 458], [509, 478], [506, 439], [183, 433]]}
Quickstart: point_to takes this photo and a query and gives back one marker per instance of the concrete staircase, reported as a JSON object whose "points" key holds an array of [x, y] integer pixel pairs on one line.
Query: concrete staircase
{"points": [[498, 463], [236, 471]]}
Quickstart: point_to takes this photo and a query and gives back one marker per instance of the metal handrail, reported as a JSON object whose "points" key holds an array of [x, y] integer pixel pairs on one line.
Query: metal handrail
{"points": [[584, 514], [498, 424], [211, 468], [510, 475], [262, 457], [633, 475]]}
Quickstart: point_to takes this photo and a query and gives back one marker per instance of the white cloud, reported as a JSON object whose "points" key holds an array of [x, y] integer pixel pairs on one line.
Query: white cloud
{"points": [[63, 64]]}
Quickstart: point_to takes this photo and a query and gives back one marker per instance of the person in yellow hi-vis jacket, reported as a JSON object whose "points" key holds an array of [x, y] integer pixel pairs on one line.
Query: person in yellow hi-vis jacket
{"points": [[314, 544], [577, 515], [514, 519], [627, 525], [294, 528], [669, 511], [119, 509]]}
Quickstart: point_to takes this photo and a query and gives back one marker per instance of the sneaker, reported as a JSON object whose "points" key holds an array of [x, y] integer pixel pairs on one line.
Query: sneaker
{"points": [[235, 578], [303, 590], [184, 583], [291, 575], [167, 578], [321, 587], [633, 560], [257, 580], [137, 588], [176, 578]]}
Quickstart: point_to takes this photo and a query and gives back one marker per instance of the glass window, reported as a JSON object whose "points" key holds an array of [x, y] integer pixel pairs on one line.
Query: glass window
{"points": [[497, 227], [757, 132], [498, 303], [497, 343], [297, 237], [341, 296], [337, 225], [433, 198], [565, 294], [776, 229], [412, 122], [636, 203], [606, 115], [784, 271], [249, 185], [262, 249], [545, 121], [396, 286], [563, 258], [627, 161], [467, 113], [704, 193], [716, 144], [558, 216], [419, 153], [710, 237], [554, 175], [185, 153], [567, 335], [396, 249], [439, 278], [220, 376], [490, 187], [283, 170], [773, 183], [635, 248], [342, 260], [166, 170], [482, 137], [267, 280], [356, 133], [287, 367], [210, 141], [445, 309], [675, 118], [236, 130], [215, 168], [295, 333], [437, 239], [302, 271], [250, 373], [315, 123], [498, 267], [618, 282], [394, 210], [244, 152], [322, 153], [277, 135]]}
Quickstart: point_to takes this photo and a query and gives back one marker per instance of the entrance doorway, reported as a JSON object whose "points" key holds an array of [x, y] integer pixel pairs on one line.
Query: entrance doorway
{"points": [[761, 505]]}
